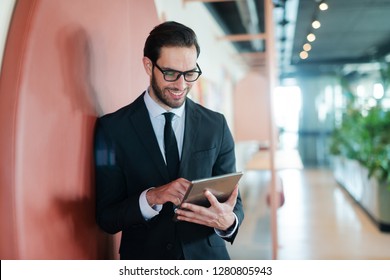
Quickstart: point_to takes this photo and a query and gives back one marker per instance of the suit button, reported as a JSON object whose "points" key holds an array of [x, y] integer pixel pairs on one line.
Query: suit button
{"points": [[169, 246]]}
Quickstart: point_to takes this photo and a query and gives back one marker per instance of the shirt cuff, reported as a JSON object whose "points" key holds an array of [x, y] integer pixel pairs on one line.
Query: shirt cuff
{"points": [[147, 211], [230, 231]]}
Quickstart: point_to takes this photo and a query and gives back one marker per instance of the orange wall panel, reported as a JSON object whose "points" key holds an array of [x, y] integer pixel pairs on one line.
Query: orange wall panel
{"points": [[65, 63]]}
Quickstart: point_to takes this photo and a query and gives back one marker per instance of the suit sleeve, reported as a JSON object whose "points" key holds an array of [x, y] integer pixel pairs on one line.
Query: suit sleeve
{"points": [[226, 163], [114, 209]]}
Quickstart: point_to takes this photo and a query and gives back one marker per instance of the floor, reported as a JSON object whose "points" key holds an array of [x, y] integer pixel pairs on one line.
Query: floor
{"points": [[318, 221]]}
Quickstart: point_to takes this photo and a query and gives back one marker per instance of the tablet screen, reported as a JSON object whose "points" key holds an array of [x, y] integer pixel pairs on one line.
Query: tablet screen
{"points": [[220, 186]]}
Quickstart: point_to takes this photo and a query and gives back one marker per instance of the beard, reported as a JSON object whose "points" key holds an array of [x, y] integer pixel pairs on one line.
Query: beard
{"points": [[164, 96]]}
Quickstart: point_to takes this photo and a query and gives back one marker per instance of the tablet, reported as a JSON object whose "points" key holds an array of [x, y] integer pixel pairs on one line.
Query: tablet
{"points": [[220, 186]]}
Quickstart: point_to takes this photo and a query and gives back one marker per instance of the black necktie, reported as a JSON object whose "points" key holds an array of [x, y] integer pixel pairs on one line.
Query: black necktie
{"points": [[171, 150]]}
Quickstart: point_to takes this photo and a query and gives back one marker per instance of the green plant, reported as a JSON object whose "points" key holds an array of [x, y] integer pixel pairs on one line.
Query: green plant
{"points": [[340, 141], [365, 138], [377, 150]]}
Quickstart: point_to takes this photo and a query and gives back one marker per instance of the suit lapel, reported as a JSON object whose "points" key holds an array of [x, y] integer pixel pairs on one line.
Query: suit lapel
{"points": [[192, 124], [144, 129]]}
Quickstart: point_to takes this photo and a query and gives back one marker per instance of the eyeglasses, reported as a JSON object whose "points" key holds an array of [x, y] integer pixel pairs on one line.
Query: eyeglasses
{"points": [[171, 75]]}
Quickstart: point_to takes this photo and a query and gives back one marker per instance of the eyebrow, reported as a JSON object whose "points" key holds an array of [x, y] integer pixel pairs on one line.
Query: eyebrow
{"points": [[171, 69]]}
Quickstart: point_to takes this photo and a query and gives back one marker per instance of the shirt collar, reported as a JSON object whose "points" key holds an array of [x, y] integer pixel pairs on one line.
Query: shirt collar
{"points": [[156, 110]]}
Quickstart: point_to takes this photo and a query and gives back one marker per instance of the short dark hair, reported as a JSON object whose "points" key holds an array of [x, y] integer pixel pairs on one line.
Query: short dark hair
{"points": [[169, 34]]}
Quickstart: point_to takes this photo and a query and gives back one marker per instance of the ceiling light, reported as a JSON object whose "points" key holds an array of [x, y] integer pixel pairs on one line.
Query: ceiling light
{"points": [[316, 24], [303, 55], [323, 6], [307, 47], [311, 37]]}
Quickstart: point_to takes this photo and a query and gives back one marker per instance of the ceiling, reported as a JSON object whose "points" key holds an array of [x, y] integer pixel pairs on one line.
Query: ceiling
{"points": [[352, 32]]}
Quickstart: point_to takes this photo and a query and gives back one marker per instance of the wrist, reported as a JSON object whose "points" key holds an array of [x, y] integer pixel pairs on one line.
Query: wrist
{"points": [[150, 198], [231, 227], [232, 224]]}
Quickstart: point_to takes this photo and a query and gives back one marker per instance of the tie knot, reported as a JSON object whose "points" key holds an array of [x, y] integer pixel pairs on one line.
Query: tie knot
{"points": [[169, 116]]}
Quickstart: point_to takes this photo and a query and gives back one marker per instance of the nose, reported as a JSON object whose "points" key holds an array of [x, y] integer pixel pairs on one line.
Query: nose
{"points": [[181, 83]]}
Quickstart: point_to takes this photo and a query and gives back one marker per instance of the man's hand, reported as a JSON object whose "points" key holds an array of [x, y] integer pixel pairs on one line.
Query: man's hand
{"points": [[173, 192], [218, 215]]}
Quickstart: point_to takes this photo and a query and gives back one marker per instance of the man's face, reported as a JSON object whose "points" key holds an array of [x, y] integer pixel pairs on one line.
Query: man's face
{"points": [[172, 94]]}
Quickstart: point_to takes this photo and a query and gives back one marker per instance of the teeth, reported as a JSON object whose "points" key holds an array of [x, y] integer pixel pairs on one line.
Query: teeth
{"points": [[177, 93]]}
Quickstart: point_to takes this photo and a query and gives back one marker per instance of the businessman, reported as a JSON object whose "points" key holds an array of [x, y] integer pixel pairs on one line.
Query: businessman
{"points": [[147, 152]]}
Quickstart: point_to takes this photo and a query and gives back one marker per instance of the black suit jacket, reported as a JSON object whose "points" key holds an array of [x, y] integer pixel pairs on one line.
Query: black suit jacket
{"points": [[128, 161]]}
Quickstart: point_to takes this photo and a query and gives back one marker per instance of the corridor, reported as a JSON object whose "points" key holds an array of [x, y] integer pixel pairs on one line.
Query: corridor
{"points": [[319, 221]]}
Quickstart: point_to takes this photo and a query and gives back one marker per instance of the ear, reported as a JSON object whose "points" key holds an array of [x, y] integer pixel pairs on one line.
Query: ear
{"points": [[148, 65]]}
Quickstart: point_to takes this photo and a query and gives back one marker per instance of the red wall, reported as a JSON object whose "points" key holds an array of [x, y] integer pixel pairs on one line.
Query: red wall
{"points": [[65, 63]]}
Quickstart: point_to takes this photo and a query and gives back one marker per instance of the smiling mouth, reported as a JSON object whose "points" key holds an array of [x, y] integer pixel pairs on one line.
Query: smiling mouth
{"points": [[176, 92]]}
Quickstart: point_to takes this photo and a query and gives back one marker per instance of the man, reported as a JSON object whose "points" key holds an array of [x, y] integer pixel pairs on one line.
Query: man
{"points": [[136, 189]]}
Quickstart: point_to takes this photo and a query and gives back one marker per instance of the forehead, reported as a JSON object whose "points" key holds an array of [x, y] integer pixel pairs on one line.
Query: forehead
{"points": [[179, 58]]}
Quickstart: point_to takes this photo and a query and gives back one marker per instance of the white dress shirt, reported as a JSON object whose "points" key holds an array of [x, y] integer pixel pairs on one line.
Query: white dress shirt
{"points": [[158, 122]]}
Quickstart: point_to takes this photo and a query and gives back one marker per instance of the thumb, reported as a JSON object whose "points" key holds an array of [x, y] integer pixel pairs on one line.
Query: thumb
{"points": [[233, 197], [211, 198]]}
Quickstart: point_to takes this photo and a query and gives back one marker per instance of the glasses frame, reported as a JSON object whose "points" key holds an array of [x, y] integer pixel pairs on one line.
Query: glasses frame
{"points": [[180, 73]]}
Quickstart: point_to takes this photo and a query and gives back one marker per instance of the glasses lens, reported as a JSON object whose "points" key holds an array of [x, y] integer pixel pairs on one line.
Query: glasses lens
{"points": [[191, 76], [171, 75]]}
